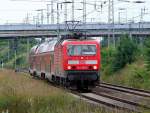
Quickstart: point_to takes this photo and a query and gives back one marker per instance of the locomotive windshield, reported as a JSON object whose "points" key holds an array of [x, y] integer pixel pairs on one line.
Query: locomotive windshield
{"points": [[77, 50]]}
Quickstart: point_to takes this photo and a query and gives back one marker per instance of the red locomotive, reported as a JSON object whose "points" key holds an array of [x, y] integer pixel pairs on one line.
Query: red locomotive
{"points": [[72, 62]]}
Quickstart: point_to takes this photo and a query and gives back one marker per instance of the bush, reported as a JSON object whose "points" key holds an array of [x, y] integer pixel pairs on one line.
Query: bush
{"points": [[107, 56], [125, 54]]}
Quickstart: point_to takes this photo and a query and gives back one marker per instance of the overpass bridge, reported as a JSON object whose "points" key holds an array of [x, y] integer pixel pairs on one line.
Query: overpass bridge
{"points": [[92, 30]]}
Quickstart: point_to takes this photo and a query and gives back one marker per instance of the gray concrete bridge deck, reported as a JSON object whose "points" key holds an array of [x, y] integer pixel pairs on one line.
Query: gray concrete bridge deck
{"points": [[93, 29]]}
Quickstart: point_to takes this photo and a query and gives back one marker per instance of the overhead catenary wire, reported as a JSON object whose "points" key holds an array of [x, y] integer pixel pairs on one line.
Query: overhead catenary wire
{"points": [[98, 4]]}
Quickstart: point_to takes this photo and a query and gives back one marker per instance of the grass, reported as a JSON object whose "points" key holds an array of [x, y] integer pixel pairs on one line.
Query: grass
{"points": [[133, 75], [19, 93]]}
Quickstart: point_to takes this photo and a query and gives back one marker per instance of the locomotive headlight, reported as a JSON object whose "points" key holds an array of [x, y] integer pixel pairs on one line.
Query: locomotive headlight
{"points": [[73, 62], [91, 61], [69, 67], [94, 67]]}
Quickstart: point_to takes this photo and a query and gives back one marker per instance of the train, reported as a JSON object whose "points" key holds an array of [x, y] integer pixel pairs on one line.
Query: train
{"points": [[70, 61]]}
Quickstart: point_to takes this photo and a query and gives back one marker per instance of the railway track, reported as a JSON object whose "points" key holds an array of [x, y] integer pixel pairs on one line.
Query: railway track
{"points": [[115, 102], [103, 97], [128, 98], [134, 91], [118, 97]]}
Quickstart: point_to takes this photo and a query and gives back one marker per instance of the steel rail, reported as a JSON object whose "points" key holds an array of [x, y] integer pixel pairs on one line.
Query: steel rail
{"points": [[141, 90], [138, 92]]}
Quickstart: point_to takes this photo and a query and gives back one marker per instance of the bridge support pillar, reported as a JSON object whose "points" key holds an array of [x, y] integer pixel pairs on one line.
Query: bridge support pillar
{"points": [[111, 41], [108, 40], [15, 51], [114, 41], [28, 46], [141, 41], [8, 54]]}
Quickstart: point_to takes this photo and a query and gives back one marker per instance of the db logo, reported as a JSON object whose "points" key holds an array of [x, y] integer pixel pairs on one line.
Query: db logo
{"points": [[82, 62]]}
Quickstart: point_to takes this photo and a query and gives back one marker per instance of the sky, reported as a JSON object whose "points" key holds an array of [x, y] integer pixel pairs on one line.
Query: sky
{"points": [[15, 11]]}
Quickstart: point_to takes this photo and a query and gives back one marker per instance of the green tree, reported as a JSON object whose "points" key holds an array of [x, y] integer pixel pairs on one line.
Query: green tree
{"points": [[125, 53], [147, 53], [107, 56]]}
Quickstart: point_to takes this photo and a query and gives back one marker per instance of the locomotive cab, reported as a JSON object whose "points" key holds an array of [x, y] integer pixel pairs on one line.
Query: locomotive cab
{"points": [[82, 62]]}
